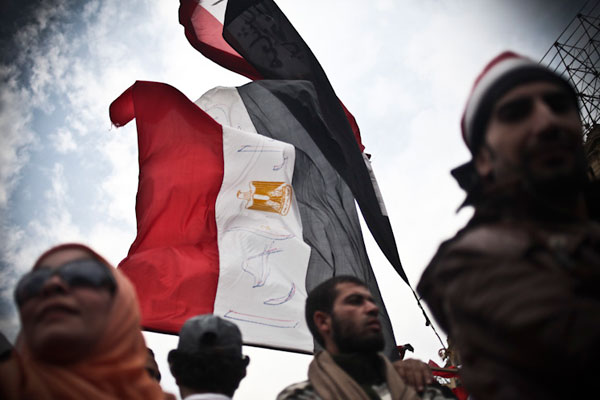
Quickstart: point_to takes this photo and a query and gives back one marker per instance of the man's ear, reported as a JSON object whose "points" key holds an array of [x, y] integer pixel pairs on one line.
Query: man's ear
{"points": [[322, 321], [172, 374], [171, 360], [246, 361], [484, 162]]}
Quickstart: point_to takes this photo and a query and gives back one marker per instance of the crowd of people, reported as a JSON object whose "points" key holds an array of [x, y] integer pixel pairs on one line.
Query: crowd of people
{"points": [[516, 289]]}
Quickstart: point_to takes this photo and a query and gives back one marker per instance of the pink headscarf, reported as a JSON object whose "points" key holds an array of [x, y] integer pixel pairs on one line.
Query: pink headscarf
{"points": [[113, 368]]}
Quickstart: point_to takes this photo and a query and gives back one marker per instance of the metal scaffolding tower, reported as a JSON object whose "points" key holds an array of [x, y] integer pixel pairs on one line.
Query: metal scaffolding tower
{"points": [[576, 56]]}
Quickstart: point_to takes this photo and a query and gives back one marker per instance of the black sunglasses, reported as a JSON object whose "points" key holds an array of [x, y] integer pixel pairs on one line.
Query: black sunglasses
{"points": [[79, 273]]}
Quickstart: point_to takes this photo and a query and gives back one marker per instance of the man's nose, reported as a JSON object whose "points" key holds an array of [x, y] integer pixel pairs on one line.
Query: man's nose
{"points": [[543, 116], [372, 308], [54, 285]]}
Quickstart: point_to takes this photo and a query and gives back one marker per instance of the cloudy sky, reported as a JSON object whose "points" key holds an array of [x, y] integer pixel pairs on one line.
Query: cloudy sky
{"points": [[403, 67]]}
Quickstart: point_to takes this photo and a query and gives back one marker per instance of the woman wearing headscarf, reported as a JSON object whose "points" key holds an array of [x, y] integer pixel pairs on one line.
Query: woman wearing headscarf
{"points": [[80, 333]]}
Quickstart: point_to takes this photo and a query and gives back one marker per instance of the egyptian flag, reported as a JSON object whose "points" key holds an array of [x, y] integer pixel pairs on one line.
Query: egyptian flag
{"points": [[261, 42], [239, 213]]}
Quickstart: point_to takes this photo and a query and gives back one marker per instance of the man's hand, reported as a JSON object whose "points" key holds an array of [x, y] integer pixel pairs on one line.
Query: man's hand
{"points": [[414, 372]]}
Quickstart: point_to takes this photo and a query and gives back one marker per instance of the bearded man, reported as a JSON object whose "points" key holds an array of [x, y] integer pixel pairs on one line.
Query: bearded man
{"points": [[518, 288], [343, 318]]}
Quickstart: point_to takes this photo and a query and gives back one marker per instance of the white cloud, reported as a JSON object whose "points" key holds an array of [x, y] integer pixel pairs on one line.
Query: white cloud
{"points": [[16, 136], [55, 224], [63, 141], [111, 240], [120, 186]]}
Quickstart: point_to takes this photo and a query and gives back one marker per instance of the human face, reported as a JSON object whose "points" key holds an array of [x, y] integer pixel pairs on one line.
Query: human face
{"points": [[355, 320], [61, 324], [534, 133]]}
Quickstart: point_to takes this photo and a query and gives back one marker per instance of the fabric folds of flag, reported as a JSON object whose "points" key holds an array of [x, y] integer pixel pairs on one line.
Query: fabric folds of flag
{"points": [[330, 223], [259, 32], [322, 205]]}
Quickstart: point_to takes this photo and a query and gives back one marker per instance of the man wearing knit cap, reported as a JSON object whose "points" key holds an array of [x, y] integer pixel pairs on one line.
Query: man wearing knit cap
{"points": [[518, 289], [208, 363]]}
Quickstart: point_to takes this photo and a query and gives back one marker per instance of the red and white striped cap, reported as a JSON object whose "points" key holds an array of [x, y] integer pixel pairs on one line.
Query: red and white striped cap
{"points": [[504, 72]]}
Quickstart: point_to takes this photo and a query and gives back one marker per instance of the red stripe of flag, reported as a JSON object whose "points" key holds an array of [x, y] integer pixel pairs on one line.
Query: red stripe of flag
{"points": [[181, 170]]}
